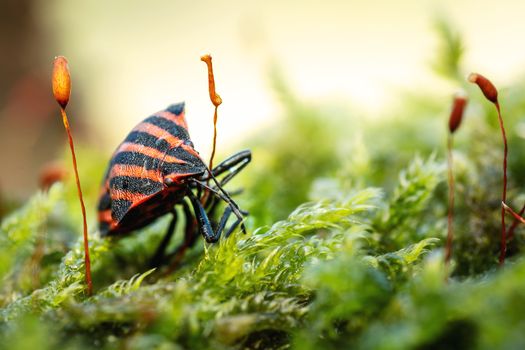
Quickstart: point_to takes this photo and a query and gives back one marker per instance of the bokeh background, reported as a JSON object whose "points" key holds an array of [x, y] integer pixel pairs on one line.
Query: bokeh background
{"points": [[130, 58]]}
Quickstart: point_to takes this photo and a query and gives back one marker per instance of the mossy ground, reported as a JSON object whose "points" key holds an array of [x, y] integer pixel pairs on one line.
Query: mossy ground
{"points": [[344, 247]]}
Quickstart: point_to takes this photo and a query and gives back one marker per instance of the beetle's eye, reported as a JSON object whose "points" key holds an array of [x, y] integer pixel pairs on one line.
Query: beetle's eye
{"points": [[168, 182]]}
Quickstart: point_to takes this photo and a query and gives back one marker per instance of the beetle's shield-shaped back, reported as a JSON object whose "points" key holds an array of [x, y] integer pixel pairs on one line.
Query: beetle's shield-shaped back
{"points": [[157, 148]]}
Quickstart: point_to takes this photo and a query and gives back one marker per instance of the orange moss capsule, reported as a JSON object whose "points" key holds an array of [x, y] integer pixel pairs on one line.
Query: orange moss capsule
{"points": [[214, 96], [215, 99], [486, 86], [456, 114], [61, 81]]}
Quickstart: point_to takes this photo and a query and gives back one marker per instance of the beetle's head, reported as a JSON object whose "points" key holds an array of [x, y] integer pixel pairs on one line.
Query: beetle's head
{"points": [[176, 181]]}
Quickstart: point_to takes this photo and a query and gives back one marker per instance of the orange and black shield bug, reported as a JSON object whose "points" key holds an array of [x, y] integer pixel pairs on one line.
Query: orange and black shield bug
{"points": [[156, 168]]}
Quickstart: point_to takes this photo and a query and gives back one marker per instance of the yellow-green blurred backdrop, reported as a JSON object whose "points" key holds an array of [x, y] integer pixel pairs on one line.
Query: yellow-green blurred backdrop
{"points": [[129, 58]]}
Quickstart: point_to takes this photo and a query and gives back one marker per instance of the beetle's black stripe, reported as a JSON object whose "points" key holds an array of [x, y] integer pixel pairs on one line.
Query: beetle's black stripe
{"points": [[176, 108], [148, 140], [174, 168], [136, 158], [135, 184], [172, 128], [119, 208], [182, 154], [150, 163]]}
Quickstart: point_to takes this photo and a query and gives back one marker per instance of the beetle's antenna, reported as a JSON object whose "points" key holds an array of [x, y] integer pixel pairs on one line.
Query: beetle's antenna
{"points": [[211, 189], [223, 195], [215, 99], [61, 82]]}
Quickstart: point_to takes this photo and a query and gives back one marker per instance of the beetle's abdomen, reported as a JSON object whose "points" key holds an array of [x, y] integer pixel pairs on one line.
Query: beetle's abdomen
{"points": [[158, 147]]}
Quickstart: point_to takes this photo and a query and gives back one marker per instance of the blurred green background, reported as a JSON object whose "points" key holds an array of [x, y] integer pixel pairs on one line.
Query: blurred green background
{"points": [[130, 58]]}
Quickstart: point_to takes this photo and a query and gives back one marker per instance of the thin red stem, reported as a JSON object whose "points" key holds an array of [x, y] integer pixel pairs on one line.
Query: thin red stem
{"points": [[503, 250], [206, 192], [450, 233], [86, 242]]}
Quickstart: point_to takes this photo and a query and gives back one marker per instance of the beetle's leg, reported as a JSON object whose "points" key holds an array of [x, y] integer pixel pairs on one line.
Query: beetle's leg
{"points": [[190, 236], [161, 249], [222, 224], [224, 219], [204, 222], [234, 164], [222, 195], [199, 191], [202, 219], [212, 205]]}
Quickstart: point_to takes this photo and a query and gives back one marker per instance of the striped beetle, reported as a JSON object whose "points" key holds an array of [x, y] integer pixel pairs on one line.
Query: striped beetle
{"points": [[155, 168]]}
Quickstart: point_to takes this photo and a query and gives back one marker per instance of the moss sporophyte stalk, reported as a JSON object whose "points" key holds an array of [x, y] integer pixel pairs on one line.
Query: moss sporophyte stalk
{"points": [[491, 93], [454, 121], [215, 99], [61, 82]]}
